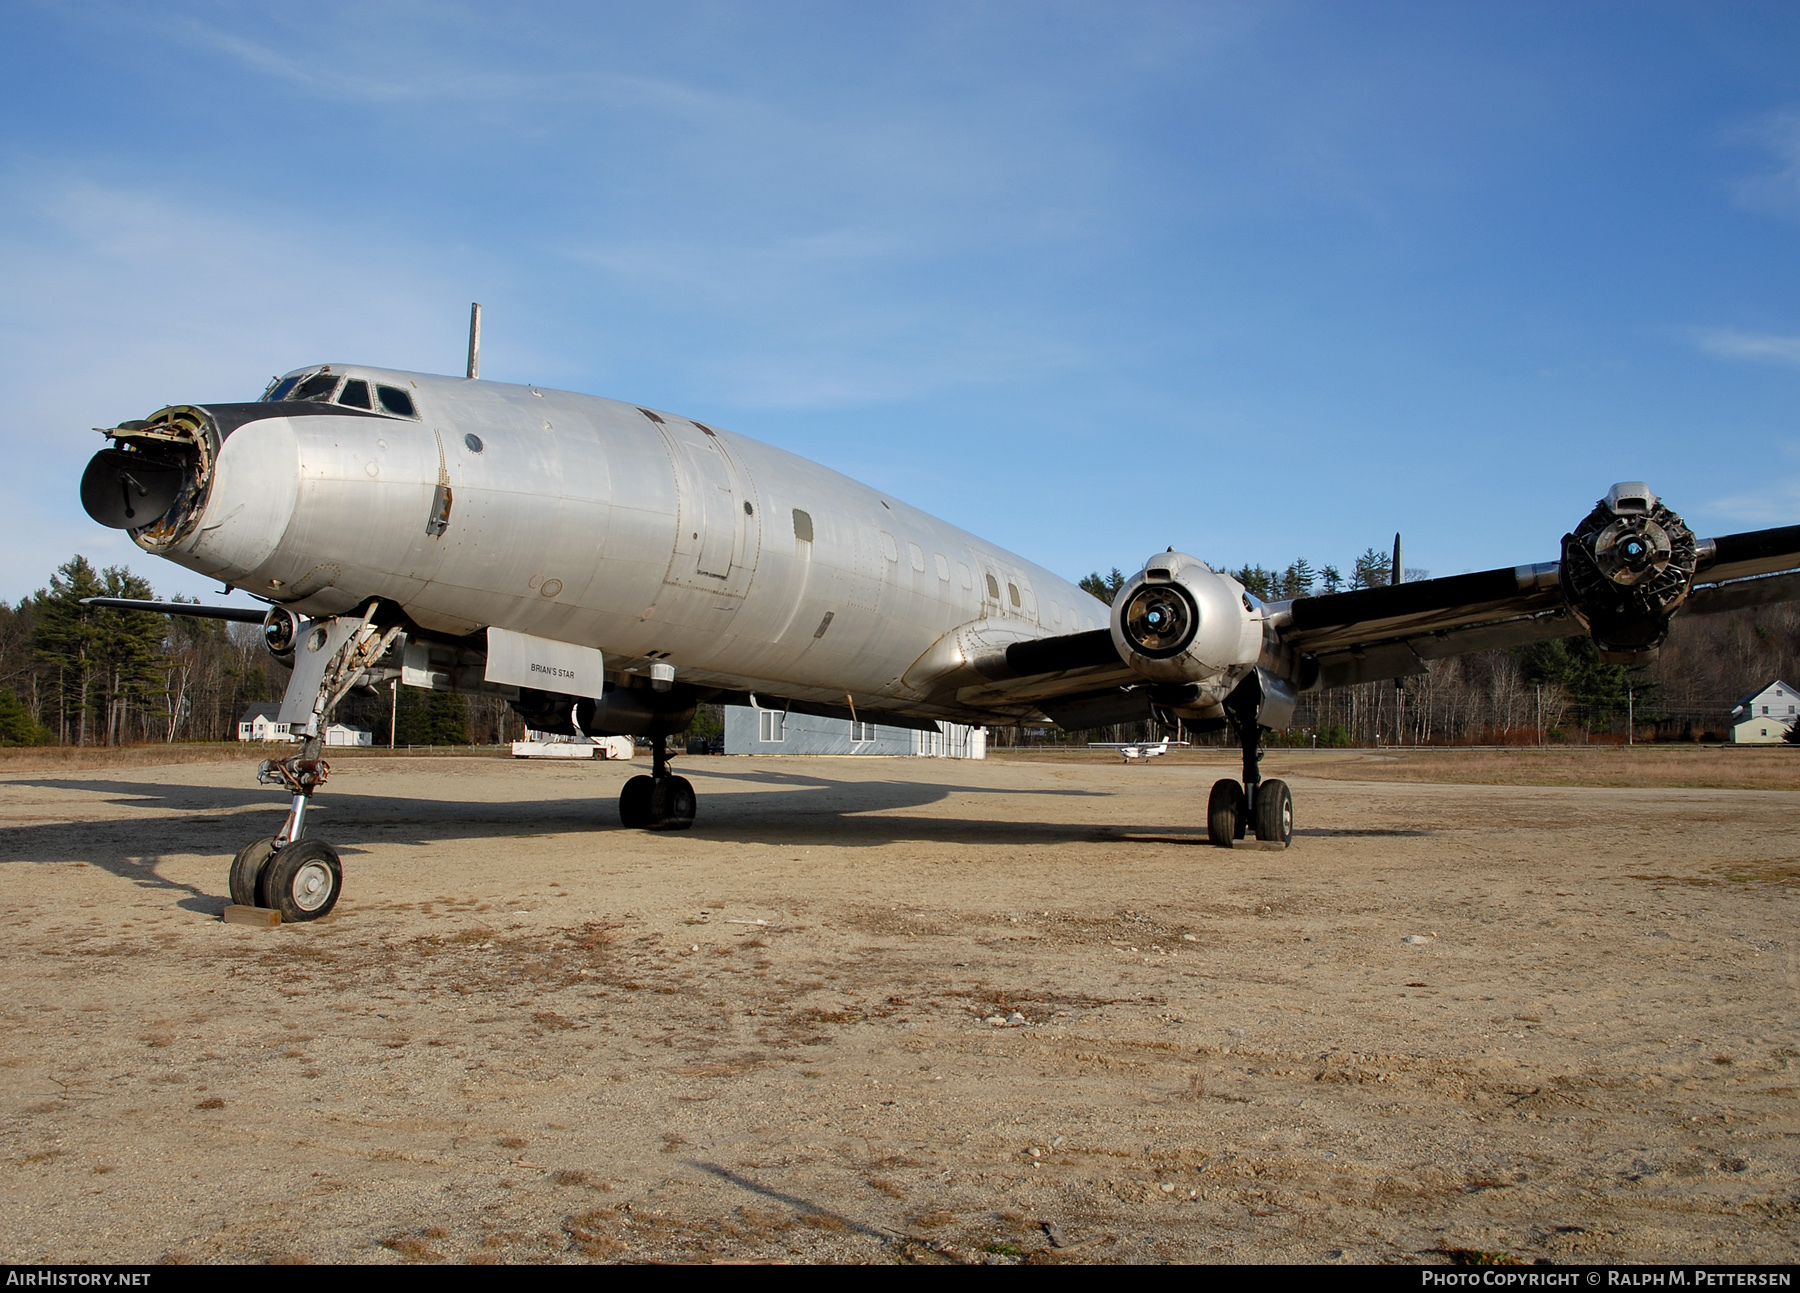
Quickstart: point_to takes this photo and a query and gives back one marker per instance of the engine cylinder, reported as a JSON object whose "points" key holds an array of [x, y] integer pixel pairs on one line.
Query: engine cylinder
{"points": [[1177, 620]]}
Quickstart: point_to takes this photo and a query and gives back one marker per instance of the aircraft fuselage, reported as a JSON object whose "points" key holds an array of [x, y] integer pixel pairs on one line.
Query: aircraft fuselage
{"points": [[586, 520]]}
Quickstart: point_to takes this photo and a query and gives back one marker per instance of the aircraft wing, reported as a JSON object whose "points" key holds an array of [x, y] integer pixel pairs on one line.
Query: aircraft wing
{"points": [[1394, 631], [1339, 639]]}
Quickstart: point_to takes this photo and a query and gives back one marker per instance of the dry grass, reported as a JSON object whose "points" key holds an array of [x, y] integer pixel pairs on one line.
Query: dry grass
{"points": [[81, 758], [1649, 766], [413, 1248]]}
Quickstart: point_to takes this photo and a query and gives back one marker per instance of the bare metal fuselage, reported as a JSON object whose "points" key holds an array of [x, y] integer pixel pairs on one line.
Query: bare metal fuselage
{"points": [[585, 520]]}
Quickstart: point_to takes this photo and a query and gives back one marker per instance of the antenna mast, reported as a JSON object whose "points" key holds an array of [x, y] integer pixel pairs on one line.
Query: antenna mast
{"points": [[474, 341]]}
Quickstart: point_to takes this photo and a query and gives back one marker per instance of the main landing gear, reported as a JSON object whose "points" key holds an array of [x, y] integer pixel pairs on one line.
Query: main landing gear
{"points": [[1263, 807], [660, 801]]}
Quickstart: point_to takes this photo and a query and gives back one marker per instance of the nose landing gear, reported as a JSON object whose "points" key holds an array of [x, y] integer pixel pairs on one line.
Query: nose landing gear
{"points": [[299, 878], [302, 878], [660, 801]]}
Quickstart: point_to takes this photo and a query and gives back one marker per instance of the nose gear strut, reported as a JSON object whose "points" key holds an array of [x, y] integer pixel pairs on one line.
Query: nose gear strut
{"points": [[301, 878]]}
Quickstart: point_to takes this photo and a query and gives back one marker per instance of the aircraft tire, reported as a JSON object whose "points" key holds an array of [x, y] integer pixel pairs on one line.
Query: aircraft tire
{"points": [[1275, 813], [673, 805], [634, 802], [302, 881], [246, 869], [1225, 813]]}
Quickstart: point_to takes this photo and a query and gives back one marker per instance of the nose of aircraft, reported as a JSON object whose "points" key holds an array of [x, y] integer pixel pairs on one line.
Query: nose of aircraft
{"points": [[211, 488]]}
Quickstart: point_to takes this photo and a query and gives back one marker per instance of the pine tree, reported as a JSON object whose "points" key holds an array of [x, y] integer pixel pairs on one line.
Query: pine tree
{"points": [[1372, 569], [1104, 587], [17, 726]]}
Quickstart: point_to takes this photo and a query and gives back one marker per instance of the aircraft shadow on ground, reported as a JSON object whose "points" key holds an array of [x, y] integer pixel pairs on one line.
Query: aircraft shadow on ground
{"points": [[786, 809]]}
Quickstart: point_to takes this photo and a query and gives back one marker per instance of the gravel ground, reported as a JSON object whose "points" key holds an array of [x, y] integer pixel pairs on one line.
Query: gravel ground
{"points": [[1552, 1022]]}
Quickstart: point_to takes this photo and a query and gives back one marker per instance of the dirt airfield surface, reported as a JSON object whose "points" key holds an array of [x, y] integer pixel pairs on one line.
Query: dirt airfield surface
{"points": [[1547, 1021]]}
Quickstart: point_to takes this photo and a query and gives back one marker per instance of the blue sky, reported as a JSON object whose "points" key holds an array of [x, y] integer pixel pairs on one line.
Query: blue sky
{"points": [[1257, 281]]}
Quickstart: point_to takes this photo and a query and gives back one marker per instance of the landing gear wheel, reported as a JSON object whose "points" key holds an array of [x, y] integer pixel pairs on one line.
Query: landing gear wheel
{"points": [[302, 881], [1225, 813], [1275, 813], [247, 868], [672, 805], [634, 802]]}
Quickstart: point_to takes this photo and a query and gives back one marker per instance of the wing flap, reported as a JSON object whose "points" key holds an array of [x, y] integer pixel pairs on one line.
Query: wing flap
{"points": [[1339, 621]]}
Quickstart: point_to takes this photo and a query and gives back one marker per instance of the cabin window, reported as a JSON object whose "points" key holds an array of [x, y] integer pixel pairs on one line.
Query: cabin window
{"points": [[962, 573], [803, 526], [943, 567], [281, 391], [917, 554], [888, 549], [769, 725], [396, 401], [1012, 591], [1056, 614], [318, 388], [355, 394], [993, 588]]}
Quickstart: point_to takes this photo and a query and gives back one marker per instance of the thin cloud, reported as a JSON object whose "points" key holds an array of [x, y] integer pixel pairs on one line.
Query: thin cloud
{"points": [[1769, 347], [429, 76], [1777, 187], [1778, 504], [121, 299]]}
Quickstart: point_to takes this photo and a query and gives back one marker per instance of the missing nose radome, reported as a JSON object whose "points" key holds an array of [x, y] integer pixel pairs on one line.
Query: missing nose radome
{"points": [[126, 489]]}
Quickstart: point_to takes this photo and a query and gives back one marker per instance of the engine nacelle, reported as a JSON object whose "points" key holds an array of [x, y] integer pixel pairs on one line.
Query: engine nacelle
{"points": [[1626, 569], [1177, 620], [622, 711]]}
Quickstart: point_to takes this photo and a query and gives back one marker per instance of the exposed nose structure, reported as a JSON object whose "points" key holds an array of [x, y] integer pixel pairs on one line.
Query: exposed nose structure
{"points": [[124, 488], [210, 488]]}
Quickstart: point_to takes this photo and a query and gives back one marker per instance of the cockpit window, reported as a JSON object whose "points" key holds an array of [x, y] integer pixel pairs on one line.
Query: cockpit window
{"points": [[318, 387], [281, 391], [356, 394], [394, 400]]}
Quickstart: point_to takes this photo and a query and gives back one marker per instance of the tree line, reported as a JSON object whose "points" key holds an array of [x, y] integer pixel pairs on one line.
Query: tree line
{"points": [[78, 675], [81, 675]]}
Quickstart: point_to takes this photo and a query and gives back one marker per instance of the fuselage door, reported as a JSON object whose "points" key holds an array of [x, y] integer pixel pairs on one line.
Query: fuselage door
{"points": [[716, 533]]}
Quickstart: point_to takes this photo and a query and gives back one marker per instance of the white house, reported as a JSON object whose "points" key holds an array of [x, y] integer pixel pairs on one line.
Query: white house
{"points": [[259, 724], [1763, 717]]}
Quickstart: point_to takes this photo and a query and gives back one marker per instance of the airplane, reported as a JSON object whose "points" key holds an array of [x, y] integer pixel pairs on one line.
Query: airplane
{"points": [[1134, 751], [607, 567]]}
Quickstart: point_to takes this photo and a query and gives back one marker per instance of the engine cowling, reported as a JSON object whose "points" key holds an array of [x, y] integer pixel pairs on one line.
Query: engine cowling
{"points": [[1626, 569], [1178, 620]]}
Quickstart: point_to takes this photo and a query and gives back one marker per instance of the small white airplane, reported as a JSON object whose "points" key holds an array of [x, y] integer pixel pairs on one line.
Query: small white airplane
{"points": [[1133, 752], [607, 567]]}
